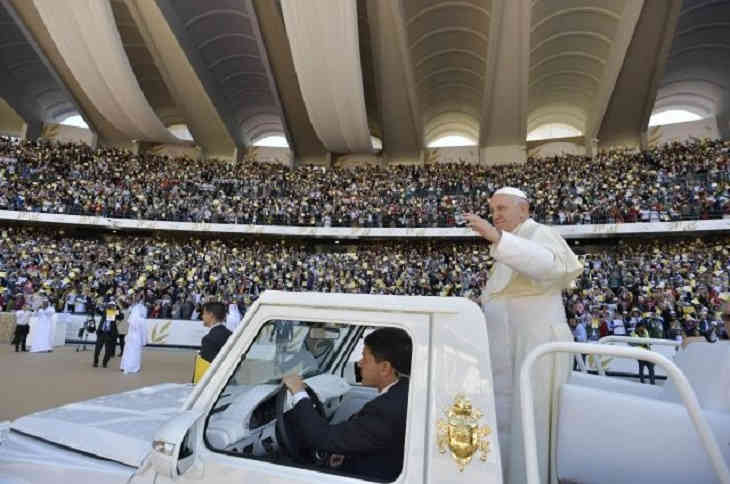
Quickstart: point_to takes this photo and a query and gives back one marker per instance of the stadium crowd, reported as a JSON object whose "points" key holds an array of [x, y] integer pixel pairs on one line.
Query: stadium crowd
{"points": [[669, 183], [672, 284]]}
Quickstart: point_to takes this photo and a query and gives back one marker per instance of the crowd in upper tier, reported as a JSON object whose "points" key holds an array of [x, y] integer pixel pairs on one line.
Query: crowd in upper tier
{"points": [[673, 283], [674, 182]]}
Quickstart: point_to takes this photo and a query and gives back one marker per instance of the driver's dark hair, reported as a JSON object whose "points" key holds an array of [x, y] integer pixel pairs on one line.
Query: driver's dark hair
{"points": [[217, 309], [392, 345]]}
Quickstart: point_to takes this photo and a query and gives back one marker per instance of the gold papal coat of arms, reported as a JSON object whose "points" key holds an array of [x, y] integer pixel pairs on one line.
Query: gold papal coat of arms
{"points": [[461, 434]]}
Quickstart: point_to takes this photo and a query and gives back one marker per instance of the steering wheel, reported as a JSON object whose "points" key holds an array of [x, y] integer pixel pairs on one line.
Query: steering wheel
{"points": [[283, 433]]}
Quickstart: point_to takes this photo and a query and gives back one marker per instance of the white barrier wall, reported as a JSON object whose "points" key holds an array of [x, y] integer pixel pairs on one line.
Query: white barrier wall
{"points": [[567, 231], [162, 332]]}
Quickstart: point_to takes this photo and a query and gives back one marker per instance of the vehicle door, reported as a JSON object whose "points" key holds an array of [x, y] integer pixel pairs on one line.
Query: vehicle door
{"points": [[192, 457]]}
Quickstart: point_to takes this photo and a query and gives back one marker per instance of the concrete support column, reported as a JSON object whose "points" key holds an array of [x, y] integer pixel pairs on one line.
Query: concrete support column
{"points": [[32, 130], [723, 125]]}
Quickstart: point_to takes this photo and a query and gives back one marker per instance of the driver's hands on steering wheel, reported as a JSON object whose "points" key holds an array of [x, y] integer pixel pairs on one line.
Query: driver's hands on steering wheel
{"points": [[294, 383]]}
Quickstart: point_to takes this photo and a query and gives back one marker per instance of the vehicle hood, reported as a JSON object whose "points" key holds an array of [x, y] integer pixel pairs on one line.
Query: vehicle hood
{"points": [[118, 427]]}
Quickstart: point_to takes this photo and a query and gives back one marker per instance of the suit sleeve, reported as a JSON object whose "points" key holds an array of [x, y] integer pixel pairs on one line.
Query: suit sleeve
{"points": [[367, 431], [213, 342], [207, 348]]}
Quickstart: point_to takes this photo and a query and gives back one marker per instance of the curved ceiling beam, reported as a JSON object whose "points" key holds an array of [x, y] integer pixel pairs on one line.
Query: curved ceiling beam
{"points": [[697, 108], [557, 117], [228, 35], [213, 12], [702, 6], [577, 120], [575, 73], [573, 109], [466, 123], [105, 75], [571, 33], [454, 85], [709, 99], [447, 4], [29, 62], [331, 82], [235, 75], [447, 30], [707, 46], [447, 70], [447, 106], [13, 44], [704, 26], [453, 114], [697, 84], [443, 52], [567, 11], [62, 113], [227, 58], [576, 53]]}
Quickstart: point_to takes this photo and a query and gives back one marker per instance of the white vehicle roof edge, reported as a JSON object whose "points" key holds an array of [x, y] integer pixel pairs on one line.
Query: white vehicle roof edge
{"points": [[419, 304]]}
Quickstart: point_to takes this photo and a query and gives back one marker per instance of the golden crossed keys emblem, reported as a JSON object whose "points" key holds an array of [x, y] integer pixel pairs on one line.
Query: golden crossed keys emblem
{"points": [[461, 434]]}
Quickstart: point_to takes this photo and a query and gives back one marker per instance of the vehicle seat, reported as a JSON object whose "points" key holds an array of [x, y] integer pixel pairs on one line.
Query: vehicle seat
{"points": [[352, 402], [611, 430]]}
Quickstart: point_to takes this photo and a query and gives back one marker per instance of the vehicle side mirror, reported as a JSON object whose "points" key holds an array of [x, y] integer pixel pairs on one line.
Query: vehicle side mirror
{"points": [[167, 445]]}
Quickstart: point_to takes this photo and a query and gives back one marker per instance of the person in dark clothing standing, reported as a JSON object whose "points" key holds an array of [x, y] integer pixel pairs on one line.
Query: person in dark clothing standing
{"points": [[106, 334], [214, 316], [371, 443], [22, 328]]}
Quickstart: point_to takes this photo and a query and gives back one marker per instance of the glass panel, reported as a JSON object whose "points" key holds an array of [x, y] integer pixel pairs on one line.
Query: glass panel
{"points": [[284, 347]]}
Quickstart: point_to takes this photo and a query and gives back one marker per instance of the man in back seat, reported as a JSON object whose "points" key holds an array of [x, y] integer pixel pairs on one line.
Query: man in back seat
{"points": [[370, 444]]}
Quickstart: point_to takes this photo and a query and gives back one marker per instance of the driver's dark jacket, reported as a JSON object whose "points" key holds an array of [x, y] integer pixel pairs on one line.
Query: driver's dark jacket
{"points": [[372, 439]]}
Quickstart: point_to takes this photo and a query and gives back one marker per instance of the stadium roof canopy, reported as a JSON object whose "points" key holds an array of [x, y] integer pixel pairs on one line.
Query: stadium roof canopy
{"points": [[328, 77]]}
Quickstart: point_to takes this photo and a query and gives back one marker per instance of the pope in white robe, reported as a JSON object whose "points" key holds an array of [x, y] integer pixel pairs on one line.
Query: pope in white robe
{"points": [[523, 307], [42, 332], [135, 340], [233, 317]]}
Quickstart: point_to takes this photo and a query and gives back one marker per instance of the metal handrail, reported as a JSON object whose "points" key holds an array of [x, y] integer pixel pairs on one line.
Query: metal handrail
{"points": [[685, 391], [635, 340], [638, 340]]}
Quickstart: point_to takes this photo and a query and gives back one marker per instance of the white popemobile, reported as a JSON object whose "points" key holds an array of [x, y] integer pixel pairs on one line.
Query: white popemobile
{"points": [[230, 426]]}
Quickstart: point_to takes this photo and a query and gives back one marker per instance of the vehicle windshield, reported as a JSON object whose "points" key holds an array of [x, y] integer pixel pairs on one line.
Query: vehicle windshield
{"points": [[284, 346]]}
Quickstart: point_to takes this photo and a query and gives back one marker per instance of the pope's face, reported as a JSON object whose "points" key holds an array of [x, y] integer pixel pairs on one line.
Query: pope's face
{"points": [[508, 211]]}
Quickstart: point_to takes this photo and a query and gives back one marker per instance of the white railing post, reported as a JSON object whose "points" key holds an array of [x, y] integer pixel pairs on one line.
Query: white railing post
{"points": [[685, 391]]}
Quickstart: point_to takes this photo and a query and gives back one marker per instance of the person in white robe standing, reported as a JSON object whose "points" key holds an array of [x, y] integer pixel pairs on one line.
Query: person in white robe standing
{"points": [[42, 332], [523, 307], [233, 317], [136, 338]]}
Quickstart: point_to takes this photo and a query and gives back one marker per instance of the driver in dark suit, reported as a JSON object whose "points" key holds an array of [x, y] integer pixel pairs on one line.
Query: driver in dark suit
{"points": [[370, 444]]}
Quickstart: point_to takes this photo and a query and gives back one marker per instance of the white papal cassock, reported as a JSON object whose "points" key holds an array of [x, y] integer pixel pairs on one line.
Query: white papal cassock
{"points": [[42, 331], [523, 307], [135, 340]]}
